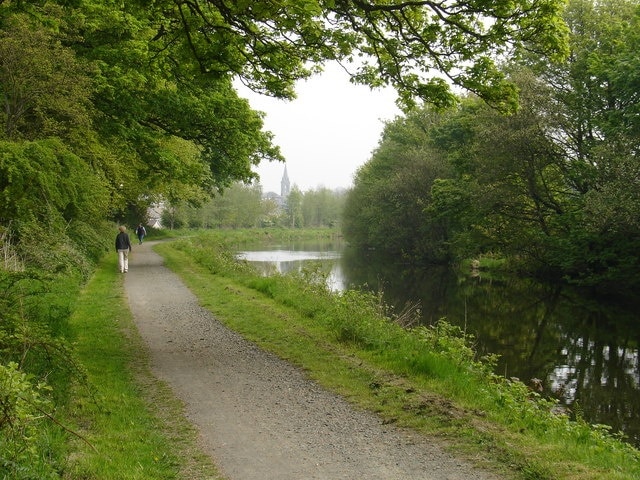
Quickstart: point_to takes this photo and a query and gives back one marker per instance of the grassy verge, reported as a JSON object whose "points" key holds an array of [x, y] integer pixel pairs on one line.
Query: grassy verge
{"points": [[129, 424], [426, 379]]}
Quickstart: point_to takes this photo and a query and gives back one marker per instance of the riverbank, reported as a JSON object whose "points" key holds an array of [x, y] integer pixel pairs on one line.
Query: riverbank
{"points": [[427, 380]]}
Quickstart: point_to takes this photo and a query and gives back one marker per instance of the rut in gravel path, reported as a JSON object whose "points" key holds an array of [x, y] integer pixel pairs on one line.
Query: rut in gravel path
{"points": [[257, 416]]}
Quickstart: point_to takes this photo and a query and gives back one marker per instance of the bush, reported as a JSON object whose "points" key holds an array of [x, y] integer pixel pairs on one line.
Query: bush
{"points": [[37, 366], [24, 408]]}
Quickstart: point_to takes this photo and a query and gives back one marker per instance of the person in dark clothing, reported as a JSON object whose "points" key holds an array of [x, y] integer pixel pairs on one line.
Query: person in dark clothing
{"points": [[123, 247], [140, 232]]}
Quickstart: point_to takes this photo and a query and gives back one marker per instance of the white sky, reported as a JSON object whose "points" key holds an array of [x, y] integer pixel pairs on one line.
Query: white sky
{"points": [[326, 133]]}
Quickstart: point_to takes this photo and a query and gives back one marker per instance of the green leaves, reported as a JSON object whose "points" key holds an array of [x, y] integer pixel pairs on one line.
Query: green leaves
{"points": [[43, 181], [387, 209], [409, 45], [45, 89], [21, 406], [270, 45]]}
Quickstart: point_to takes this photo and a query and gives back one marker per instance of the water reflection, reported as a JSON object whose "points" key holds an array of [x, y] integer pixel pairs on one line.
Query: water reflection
{"points": [[295, 257], [583, 351]]}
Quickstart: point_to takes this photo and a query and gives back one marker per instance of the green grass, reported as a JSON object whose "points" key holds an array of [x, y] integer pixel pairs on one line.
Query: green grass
{"points": [[127, 424], [426, 379]]}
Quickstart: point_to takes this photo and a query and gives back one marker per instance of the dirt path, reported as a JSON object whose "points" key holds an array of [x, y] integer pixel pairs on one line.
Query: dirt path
{"points": [[257, 416]]}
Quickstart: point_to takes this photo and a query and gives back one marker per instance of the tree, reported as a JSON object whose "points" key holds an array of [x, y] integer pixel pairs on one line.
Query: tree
{"points": [[590, 233], [322, 207], [44, 88], [554, 186], [147, 98], [515, 195], [293, 209], [387, 209], [239, 207], [401, 43]]}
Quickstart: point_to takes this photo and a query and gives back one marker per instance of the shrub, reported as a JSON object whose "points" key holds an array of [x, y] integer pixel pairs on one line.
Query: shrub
{"points": [[23, 417]]}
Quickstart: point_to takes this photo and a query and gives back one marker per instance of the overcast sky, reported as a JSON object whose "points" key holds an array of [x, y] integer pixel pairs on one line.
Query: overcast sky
{"points": [[329, 131]]}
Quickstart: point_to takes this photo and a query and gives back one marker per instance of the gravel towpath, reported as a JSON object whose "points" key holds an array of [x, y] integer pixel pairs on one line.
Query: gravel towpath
{"points": [[257, 416]]}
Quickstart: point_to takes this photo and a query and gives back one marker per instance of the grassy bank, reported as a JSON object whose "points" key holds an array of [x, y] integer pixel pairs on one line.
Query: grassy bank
{"points": [[424, 378], [125, 424]]}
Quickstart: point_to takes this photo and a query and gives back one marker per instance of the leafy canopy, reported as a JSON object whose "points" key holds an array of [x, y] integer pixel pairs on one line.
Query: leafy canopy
{"points": [[143, 91], [421, 48]]}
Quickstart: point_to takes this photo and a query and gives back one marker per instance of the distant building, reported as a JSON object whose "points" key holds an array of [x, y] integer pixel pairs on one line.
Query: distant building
{"points": [[154, 215], [285, 186], [285, 190]]}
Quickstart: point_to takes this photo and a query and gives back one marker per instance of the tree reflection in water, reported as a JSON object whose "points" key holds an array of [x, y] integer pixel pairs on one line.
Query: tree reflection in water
{"points": [[583, 351]]}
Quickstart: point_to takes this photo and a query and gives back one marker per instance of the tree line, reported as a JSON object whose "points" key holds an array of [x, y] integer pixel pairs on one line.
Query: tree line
{"points": [[553, 186], [245, 206]]}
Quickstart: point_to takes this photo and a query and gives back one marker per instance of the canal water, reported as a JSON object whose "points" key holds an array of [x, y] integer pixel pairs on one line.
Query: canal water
{"points": [[579, 349]]}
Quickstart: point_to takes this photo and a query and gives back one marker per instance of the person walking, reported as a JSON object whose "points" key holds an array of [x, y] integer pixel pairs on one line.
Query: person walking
{"points": [[123, 247], [140, 232]]}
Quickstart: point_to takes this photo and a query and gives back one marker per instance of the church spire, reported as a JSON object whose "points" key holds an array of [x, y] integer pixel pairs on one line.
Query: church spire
{"points": [[285, 186]]}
